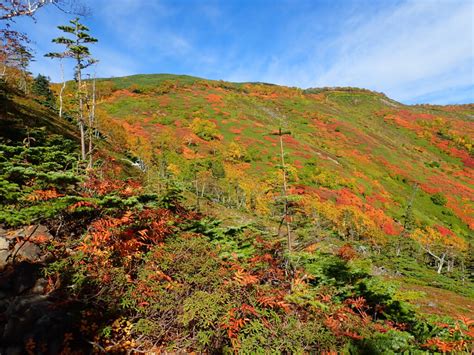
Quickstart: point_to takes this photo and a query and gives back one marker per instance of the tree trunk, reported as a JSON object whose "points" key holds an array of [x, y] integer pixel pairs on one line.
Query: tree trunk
{"points": [[62, 89], [285, 196], [81, 121], [450, 265], [81, 103], [399, 247], [83, 140], [91, 123], [441, 263]]}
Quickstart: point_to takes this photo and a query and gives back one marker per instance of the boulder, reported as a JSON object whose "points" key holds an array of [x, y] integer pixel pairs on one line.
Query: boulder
{"points": [[4, 254], [4, 243], [32, 232], [27, 251]]}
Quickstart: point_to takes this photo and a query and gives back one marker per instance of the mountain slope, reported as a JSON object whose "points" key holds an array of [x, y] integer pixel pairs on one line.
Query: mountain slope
{"points": [[348, 144], [95, 261]]}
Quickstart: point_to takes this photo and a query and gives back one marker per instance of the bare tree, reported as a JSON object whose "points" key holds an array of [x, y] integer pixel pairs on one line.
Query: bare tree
{"points": [[92, 123], [14, 53], [286, 213], [10, 9]]}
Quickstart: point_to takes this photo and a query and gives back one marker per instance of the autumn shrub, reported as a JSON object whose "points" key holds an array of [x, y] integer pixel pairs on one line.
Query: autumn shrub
{"points": [[204, 129], [175, 281], [229, 241], [236, 152], [186, 278]]}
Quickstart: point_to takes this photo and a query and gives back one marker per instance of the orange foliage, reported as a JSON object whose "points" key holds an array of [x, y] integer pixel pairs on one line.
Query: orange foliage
{"points": [[79, 204], [96, 185], [347, 252], [245, 279], [275, 301], [446, 346], [43, 195], [128, 233]]}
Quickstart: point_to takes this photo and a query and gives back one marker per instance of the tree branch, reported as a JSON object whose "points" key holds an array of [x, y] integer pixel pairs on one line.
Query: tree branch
{"points": [[17, 8]]}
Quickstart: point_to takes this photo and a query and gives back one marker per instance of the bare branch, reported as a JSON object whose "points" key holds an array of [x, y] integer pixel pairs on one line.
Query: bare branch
{"points": [[9, 9], [15, 8]]}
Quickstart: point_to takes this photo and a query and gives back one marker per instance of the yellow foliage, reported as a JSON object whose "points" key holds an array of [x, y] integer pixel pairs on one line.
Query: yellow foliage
{"points": [[235, 152], [349, 221], [275, 178], [430, 237], [174, 169], [204, 129], [256, 192]]}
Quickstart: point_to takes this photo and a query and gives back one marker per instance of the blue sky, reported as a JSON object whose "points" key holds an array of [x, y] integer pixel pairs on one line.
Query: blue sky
{"points": [[413, 51]]}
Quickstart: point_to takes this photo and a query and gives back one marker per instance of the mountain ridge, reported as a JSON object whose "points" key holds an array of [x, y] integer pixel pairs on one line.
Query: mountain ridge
{"points": [[168, 76]]}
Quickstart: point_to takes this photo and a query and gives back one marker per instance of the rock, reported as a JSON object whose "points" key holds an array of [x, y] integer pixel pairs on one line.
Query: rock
{"points": [[40, 286], [27, 251], [4, 244], [24, 277], [378, 271], [41, 231], [22, 314], [4, 254], [14, 350], [32, 232], [47, 257]]}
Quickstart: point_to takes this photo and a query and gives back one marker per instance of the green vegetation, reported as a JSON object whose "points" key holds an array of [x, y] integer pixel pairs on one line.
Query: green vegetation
{"points": [[439, 199]]}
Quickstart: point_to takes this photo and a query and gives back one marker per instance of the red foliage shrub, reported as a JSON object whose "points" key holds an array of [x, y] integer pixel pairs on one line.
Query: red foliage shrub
{"points": [[347, 252], [444, 231]]}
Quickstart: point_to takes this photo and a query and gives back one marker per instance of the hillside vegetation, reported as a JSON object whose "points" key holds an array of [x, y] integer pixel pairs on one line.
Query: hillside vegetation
{"points": [[355, 159], [176, 239]]}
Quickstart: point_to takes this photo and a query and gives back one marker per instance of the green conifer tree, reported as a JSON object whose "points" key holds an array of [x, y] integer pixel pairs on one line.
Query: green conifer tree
{"points": [[41, 88], [76, 48]]}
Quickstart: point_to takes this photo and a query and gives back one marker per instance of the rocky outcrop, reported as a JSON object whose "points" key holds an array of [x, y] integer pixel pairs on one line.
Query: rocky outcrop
{"points": [[33, 316], [22, 244]]}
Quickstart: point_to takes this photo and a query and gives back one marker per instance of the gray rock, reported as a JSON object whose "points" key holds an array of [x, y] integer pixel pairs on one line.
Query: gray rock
{"points": [[28, 232], [4, 244], [40, 286], [41, 230], [27, 251], [24, 277], [377, 271], [14, 350], [4, 254]]}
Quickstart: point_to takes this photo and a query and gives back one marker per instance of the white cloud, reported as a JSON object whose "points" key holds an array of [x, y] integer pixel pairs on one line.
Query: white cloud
{"points": [[406, 51], [412, 47]]}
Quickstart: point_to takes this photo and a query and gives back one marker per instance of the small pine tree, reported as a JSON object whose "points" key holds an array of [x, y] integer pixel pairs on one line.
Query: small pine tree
{"points": [[409, 221], [41, 88], [76, 48]]}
